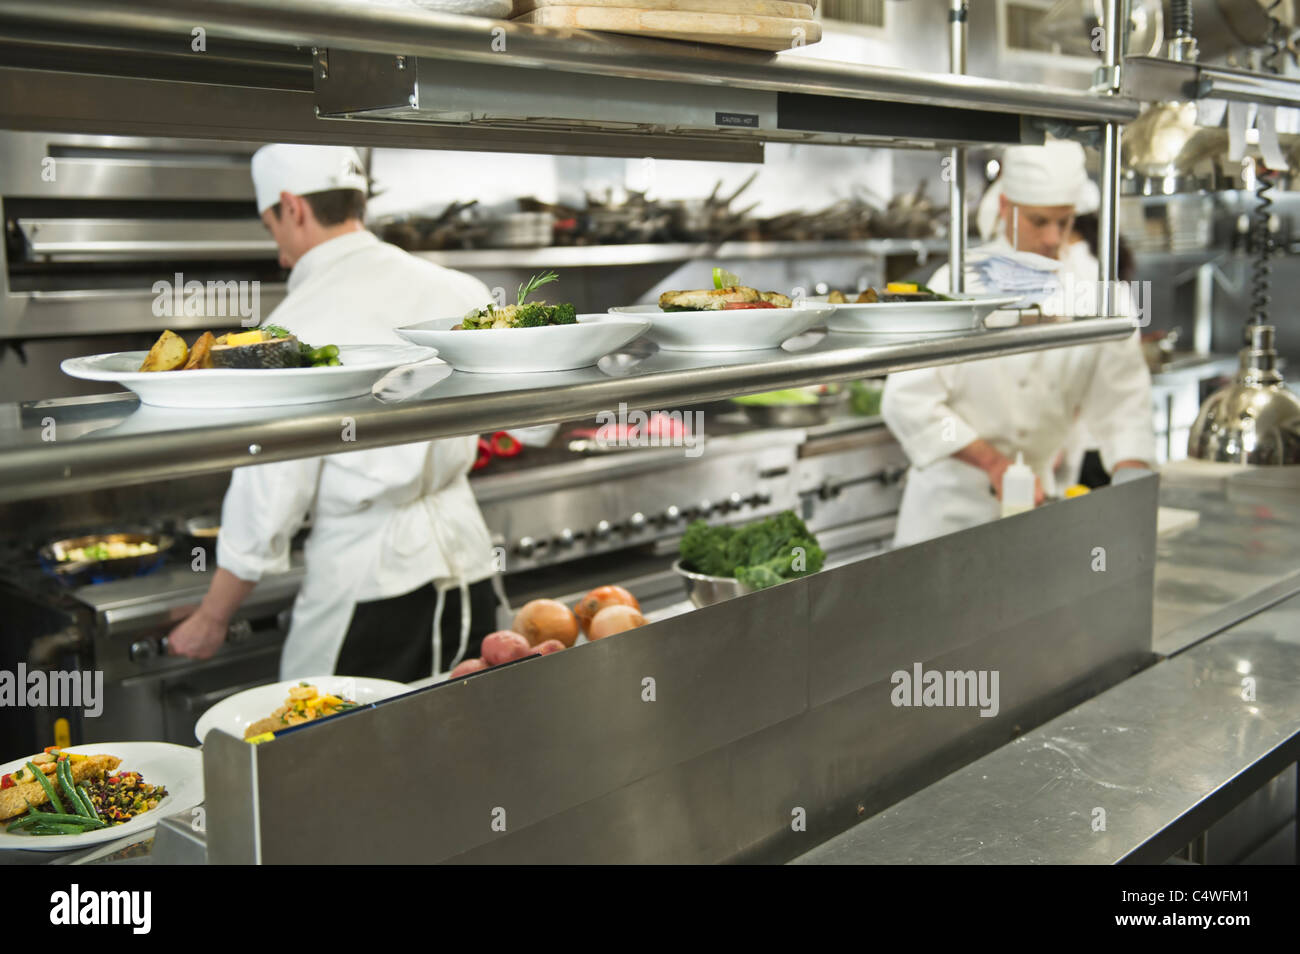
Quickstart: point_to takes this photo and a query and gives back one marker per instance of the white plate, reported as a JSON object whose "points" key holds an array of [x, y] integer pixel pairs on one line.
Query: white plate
{"points": [[741, 329], [236, 713], [517, 350], [916, 317], [178, 768], [360, 367]]}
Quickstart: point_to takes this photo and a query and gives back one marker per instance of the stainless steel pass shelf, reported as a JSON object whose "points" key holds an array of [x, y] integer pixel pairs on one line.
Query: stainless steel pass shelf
{"points": [[595, 256], [408, 64], [73, 445], [1152, 79]]}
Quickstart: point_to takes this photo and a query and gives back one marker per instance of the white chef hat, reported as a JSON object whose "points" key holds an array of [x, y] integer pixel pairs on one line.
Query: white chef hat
{"points": [[302, 170], [986, 216], [1051, 174], [1089, 199]]}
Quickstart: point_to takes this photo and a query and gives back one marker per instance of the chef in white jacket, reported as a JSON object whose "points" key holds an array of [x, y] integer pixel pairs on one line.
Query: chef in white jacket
{"points": [[962, 425], [398, 557]]}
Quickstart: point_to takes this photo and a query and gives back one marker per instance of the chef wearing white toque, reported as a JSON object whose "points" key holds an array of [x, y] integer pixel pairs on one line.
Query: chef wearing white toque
{"points": [[962, 425], [396, 535]]}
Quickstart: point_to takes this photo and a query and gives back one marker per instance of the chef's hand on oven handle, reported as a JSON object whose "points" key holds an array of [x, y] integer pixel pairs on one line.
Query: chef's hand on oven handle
{"points": [[982, 454], [201, 634]]}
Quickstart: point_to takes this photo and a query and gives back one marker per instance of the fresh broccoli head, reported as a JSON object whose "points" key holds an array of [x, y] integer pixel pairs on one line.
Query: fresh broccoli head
{"points": [[760, 554], [704, 549]]}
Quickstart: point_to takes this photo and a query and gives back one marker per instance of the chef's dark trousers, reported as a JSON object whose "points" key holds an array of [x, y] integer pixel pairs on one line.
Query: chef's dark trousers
{"points": [[393, 638]]}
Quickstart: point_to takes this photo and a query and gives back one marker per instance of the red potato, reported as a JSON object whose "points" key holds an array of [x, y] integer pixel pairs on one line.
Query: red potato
{"points": [[503, 646], [615, 619], [467, 666], [548, 647], [595, 601], [540, 620]]}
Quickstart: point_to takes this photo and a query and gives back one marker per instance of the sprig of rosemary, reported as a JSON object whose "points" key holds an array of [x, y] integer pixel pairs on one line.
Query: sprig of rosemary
{"points": [[534, 283]]}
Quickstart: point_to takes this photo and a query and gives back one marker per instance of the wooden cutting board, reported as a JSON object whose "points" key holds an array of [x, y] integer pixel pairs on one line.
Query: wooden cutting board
{"points": [[794, 9], [729, 29]]}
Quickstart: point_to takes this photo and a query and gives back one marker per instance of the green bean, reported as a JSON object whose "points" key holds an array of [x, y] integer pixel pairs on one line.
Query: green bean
{"points": [[64, 771], [42, 817], [88, 801], [324, 352], [55, 829], [333, 362], [45, 784]]}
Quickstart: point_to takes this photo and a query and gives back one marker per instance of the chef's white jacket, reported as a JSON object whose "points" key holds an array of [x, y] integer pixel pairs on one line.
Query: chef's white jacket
{"points": [[384, 521], [1025, 402]]}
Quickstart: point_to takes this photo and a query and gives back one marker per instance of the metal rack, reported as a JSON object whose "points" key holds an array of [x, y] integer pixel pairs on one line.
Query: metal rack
{"points": [[111, 439], [276, 69]]}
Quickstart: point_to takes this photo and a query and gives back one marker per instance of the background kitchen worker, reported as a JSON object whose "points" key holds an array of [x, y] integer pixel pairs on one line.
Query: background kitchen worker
{"points": [[962, 425], [398, 551]]}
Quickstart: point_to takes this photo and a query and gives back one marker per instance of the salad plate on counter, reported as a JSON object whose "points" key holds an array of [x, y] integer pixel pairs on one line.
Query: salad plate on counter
{"points": [[269, 372]]}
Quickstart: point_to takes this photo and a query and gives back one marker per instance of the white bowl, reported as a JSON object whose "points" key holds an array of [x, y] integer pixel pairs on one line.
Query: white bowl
{"points": [[361, 366], [518, 350], [920, 317], [236, 713], [741, 329]]}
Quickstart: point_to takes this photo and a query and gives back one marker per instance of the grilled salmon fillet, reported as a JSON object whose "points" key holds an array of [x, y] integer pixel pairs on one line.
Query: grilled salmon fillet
{"points": [[707, 299], [13, 801]]}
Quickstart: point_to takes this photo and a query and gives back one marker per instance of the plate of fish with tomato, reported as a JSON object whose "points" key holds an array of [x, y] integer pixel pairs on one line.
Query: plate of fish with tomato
{"points": [[727, 317]]}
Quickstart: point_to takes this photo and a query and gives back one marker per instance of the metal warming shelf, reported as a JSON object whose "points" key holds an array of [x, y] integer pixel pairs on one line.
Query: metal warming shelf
{"points": [[102, 441], [391, 63]]}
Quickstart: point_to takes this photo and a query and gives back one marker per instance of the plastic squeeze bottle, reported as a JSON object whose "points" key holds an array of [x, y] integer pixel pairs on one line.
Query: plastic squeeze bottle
{"points": [[1017, 487]]}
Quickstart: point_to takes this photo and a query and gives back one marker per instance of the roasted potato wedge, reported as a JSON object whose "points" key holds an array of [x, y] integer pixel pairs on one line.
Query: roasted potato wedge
{"points": [[168, 353], [200, 354]]}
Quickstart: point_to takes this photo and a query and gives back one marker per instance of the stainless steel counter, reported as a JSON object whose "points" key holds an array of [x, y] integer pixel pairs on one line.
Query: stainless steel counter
{"points": [[1156, 759], [1241, 556], [65, 446]]}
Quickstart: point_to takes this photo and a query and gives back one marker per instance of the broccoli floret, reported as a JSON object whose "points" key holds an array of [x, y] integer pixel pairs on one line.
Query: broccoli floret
{"points": [[531, 315], [704, 549], [536, 314], [762, 576], [564, 314]]}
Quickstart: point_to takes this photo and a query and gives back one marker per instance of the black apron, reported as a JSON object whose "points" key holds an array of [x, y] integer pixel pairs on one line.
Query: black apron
{"points": [[393, 638]]}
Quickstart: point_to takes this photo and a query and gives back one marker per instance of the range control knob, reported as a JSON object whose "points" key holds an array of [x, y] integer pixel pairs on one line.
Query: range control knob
{"points": [[239, 630], [525, 546], [635, 523], [704, 508], [143, 650], [672, 514], [565, 538], [603, 527], [735, 501]]}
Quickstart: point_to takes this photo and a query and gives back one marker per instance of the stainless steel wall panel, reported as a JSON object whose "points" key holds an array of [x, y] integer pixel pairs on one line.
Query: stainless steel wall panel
{"points": [[749, 724], [956, 589], [575, 727]]}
